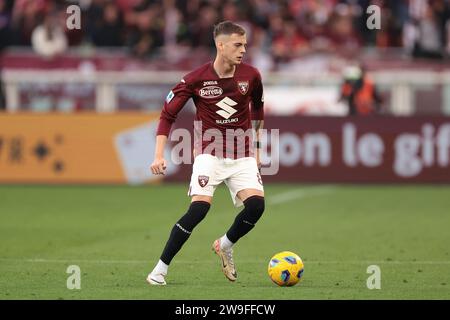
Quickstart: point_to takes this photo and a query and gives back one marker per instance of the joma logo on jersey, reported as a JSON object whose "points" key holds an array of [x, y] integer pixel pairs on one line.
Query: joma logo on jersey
{"points": [[210, 92], [209, 83], [226, 106]]}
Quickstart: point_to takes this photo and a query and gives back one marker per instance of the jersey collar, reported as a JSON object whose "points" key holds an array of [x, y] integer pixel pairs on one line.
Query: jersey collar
{"points": [[211, 66]]}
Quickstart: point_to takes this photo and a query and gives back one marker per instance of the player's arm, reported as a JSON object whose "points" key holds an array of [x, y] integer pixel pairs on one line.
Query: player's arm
{"points": [[175, 101], [257, 115]]}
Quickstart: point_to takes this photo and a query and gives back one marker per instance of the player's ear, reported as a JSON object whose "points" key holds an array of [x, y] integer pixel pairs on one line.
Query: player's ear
{"points": [[219, 45], [220, 42]]}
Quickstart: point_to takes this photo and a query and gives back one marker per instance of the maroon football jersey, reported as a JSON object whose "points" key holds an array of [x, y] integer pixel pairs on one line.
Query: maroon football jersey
{"points": [[225, 105]]}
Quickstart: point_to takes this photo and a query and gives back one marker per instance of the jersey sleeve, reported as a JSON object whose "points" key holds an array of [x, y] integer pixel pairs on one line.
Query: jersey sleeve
{"points": [[257, 108], [175, 101]]}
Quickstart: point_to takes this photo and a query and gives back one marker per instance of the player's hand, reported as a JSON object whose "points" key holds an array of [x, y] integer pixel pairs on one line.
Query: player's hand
{"points": [[158, 166]]}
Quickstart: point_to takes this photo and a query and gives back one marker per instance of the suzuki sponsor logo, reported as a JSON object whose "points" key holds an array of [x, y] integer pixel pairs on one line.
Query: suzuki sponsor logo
{"points": [[226, 106], [210, 92], [227, 121]]}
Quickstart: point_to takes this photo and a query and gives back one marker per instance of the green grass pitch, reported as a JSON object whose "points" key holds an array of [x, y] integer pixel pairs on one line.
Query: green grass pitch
{"points": [[115, 234]]}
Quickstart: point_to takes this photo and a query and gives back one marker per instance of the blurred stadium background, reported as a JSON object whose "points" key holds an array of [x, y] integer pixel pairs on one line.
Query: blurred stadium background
{"points": [[79, 109]]}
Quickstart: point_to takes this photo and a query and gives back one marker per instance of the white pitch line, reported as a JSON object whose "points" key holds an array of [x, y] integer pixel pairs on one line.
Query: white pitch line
{"points": [[299, 194], [38, 260]]}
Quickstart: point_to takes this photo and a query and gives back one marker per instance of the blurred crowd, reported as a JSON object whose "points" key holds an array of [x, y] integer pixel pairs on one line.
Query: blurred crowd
{"points": [[282, 30]]}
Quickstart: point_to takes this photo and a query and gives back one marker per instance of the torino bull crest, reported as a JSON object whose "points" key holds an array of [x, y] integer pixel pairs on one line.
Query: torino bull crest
{"points": [[243, 87], [203, 181]]}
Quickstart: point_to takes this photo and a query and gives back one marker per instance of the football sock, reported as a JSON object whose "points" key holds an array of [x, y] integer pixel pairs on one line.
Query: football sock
{"points": [[183, 229], [161, 267], [247, 218], [225, 243]]}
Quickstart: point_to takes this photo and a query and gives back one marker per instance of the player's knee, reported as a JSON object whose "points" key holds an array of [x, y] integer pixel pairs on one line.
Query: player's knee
{"points": [[196, 213], [254, 205]]}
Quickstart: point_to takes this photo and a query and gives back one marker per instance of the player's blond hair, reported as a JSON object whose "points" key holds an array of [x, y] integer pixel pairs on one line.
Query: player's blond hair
{"points": [[228, 28]]}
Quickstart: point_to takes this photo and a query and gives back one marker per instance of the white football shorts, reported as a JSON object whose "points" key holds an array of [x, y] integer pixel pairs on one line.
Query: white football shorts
{"points": [[208, 172]]}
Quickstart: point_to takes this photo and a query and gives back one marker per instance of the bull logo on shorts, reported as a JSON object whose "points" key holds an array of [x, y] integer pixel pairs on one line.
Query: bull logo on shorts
{"points": [[243, 87], [203, 181]]}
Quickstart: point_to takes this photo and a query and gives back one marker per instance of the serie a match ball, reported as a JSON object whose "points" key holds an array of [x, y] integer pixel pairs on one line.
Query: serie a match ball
{"points": [[286, 269]]}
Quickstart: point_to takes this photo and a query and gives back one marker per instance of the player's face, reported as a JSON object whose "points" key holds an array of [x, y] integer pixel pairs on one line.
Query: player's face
{"points": [[234, 48]]}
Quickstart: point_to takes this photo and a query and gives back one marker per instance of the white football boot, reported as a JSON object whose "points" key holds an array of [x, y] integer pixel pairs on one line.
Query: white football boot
{"points": [[156, 279], [227, 262]]}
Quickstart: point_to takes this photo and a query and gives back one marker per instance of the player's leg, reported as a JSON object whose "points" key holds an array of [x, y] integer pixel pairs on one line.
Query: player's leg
{"points": [[246, 189], [253, 200], [201, 190], [185, 225], [179, 235]]}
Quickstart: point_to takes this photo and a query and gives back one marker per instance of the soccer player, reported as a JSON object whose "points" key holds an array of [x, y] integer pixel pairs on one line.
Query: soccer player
{"points": [[228, 95]]}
